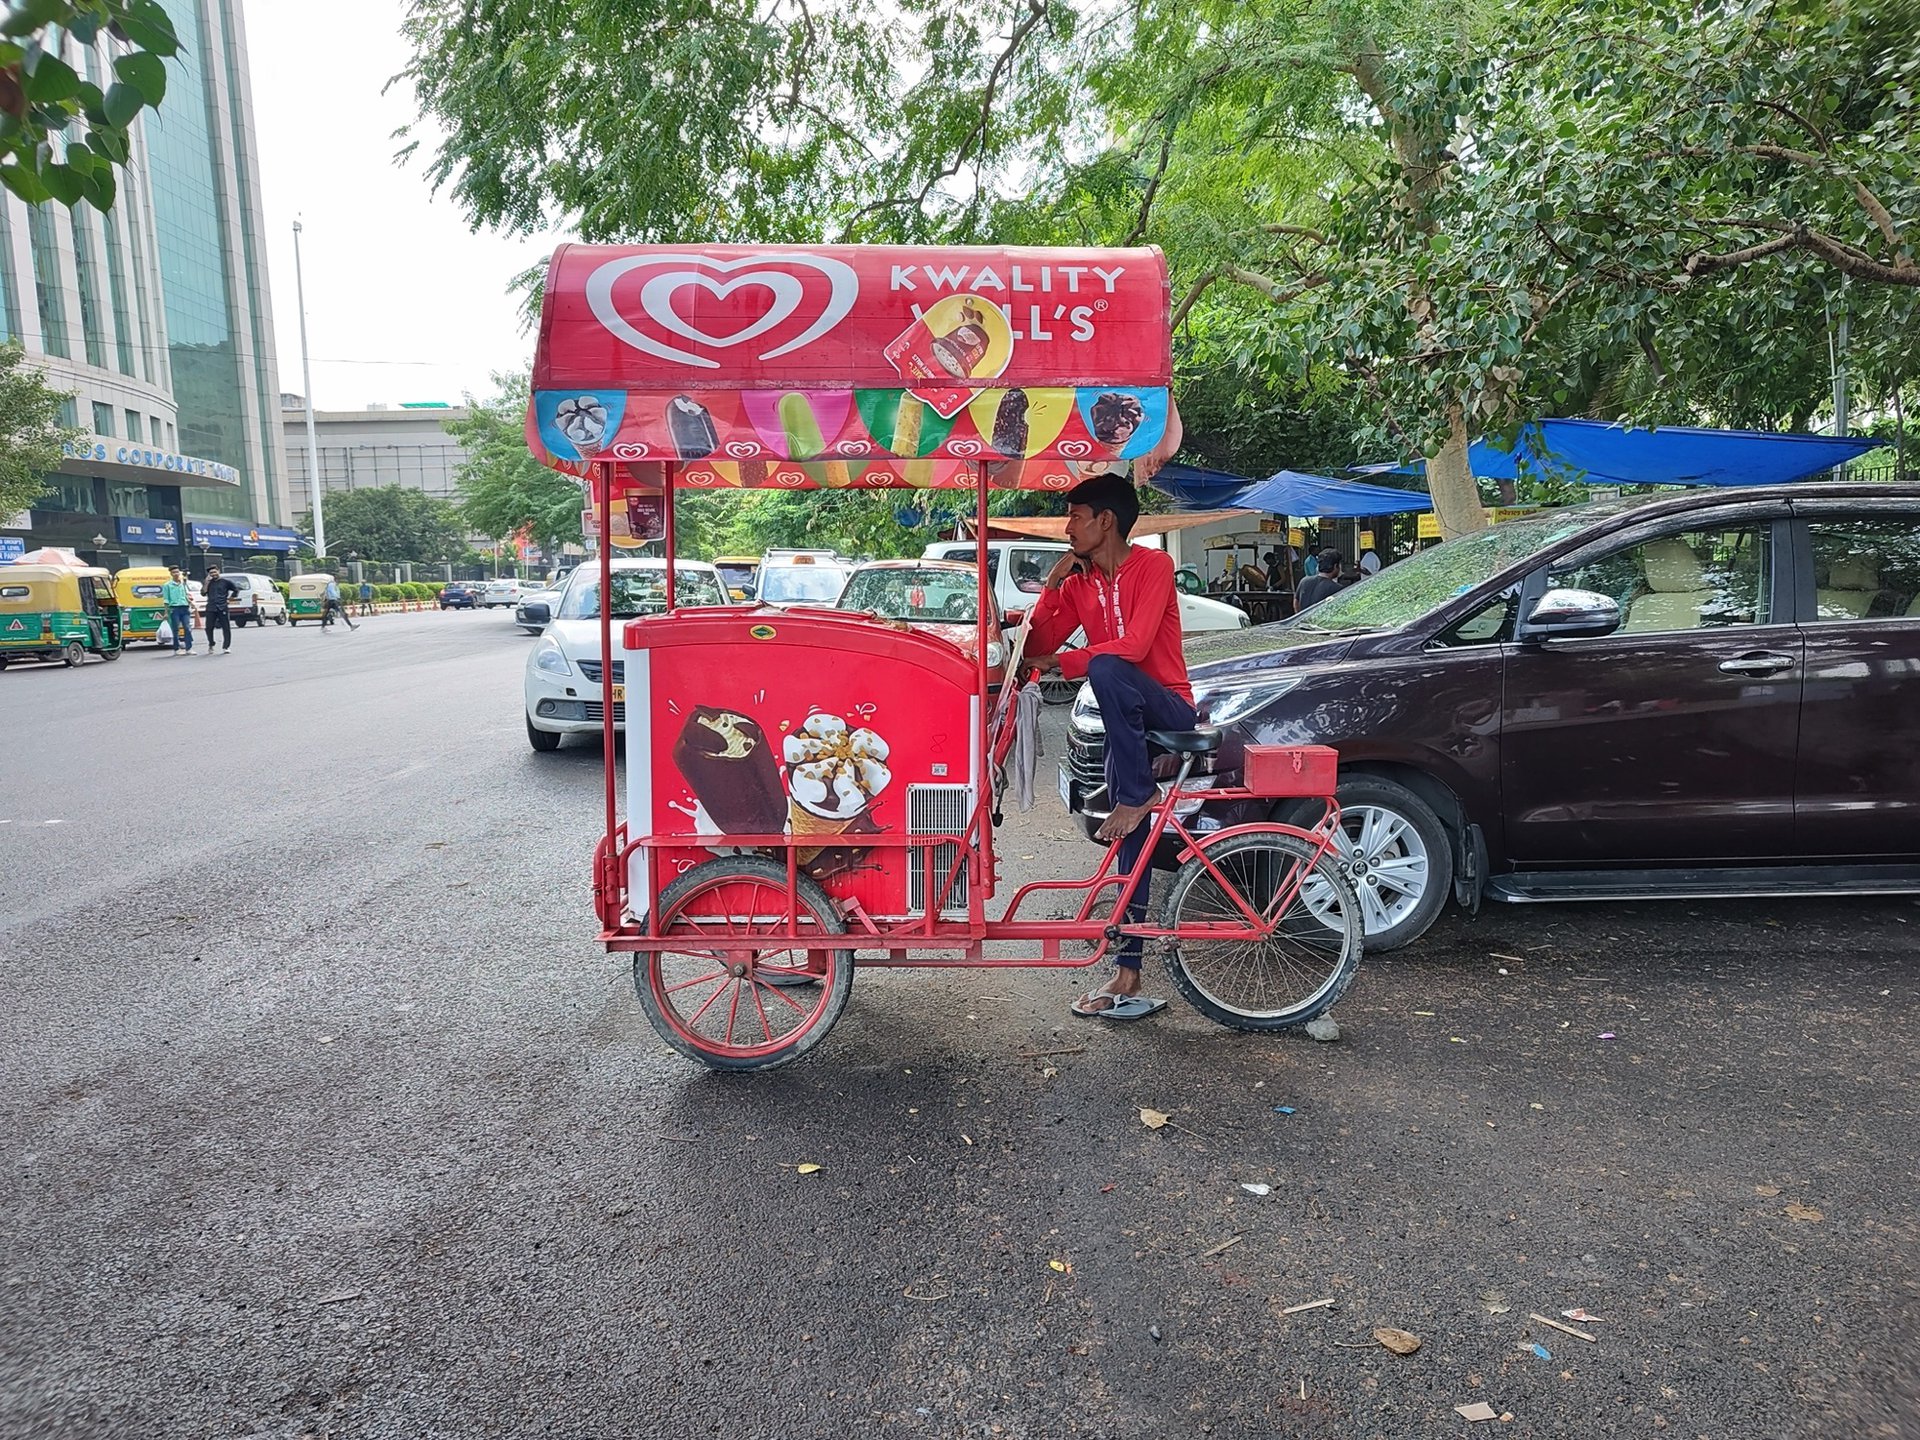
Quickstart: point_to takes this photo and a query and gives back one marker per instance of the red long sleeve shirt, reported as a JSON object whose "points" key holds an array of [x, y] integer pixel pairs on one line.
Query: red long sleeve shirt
{"points": [[1135, 615]]}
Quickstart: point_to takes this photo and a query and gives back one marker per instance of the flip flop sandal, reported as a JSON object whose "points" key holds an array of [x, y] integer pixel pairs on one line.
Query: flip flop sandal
{"points": [[1119, 1008]]}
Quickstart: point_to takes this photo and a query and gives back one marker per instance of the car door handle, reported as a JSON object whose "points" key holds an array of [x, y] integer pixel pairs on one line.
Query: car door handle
{"points": [[1757, 664]]}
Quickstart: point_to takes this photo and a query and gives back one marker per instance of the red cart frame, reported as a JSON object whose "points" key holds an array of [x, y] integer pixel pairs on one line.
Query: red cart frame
{"points": [[664, 369]]}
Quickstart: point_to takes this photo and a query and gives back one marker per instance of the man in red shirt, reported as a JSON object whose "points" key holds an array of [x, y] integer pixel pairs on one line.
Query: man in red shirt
{"points": [[1124, 597]]}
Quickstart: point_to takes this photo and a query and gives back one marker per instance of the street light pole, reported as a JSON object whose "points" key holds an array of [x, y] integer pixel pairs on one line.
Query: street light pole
{"points": [[306, 381]]}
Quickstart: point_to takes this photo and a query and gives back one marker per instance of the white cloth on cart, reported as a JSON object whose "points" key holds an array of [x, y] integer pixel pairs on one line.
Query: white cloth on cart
{"points": [[1027, 745]]}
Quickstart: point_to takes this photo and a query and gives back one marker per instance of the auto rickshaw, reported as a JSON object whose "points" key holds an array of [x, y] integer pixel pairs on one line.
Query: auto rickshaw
{"points": [[54, 612], [307, 597], [739, 572], [137, 588]]}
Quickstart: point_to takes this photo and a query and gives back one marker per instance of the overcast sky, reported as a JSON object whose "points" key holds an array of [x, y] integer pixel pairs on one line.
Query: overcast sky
{"points": [[404, 302]]}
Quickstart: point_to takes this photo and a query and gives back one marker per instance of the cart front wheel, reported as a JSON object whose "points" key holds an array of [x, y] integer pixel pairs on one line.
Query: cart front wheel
{"points": [[736, 993], [1301, 968]]}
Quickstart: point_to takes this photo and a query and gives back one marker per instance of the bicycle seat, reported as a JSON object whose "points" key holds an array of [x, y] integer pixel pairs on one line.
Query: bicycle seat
{"points": [[1185, 742]]}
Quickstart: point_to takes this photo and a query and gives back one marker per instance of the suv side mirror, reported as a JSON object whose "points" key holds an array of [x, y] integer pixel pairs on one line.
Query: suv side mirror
{"points": [[537, 613], [1568, 614]]}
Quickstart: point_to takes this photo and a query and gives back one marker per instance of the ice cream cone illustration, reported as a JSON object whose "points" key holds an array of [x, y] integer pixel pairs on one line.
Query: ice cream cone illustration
{"points": [[834, 774]]}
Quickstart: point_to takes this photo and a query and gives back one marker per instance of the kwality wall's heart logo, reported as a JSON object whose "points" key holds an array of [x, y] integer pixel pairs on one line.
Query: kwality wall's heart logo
{"points": [[785, 301]]}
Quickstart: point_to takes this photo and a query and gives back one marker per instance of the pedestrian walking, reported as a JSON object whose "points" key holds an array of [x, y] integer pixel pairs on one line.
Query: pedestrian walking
{"points": [[179, 602], [333, 607], [366, 597], [218, 590]]}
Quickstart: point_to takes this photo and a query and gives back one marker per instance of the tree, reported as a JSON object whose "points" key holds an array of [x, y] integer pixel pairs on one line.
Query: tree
{"points": [[391, 524], [61, 135], [503, 489], [31, 435]]}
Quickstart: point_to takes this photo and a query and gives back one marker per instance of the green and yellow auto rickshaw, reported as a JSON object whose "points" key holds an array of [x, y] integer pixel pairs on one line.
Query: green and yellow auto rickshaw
{"points": [[137, 588], [55, 612], [307, 597]]}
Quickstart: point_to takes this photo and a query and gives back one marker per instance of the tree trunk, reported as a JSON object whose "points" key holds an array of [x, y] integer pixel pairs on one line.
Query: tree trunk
{"points": [[1456, 498]]}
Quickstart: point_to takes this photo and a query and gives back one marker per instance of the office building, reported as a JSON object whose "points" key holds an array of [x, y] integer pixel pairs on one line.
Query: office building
{"points": [[157, 317], [381, 445]]}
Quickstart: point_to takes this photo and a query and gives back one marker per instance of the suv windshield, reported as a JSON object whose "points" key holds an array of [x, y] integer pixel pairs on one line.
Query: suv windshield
{"points": [[1402, 593], [787, 584], [640, 592], [933, 594]]}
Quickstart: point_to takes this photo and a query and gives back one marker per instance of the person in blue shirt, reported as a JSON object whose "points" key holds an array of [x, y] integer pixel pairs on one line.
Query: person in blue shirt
{"points": [[179, 602], [333, 607]]}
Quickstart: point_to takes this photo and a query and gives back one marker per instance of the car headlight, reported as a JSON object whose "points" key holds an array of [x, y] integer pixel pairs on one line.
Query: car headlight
{"points": [[548, 656], [996, 654], [1234, 698], [1086, 709]]}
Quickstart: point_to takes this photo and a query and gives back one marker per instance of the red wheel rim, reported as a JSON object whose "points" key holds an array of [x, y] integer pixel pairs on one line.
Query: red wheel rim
{"points": [[718, 993]]}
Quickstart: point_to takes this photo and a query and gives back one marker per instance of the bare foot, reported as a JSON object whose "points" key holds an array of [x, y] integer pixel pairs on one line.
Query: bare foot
{"points": [[1124, 820]]}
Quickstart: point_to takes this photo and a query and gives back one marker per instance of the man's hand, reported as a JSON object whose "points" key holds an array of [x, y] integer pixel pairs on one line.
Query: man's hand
{"points": [[1045, 664], [1067, 564]]}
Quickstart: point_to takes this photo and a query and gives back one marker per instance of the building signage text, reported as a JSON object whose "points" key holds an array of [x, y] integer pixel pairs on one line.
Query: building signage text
{"points": [[108, 451]]}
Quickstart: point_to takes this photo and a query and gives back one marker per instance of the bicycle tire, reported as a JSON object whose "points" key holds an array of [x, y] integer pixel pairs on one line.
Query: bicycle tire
{"points": [[732, 938], [1320, 953]]}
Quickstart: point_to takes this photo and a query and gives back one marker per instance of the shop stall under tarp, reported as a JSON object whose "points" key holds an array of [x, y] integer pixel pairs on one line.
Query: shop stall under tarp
{"points": [[1598, 452]]}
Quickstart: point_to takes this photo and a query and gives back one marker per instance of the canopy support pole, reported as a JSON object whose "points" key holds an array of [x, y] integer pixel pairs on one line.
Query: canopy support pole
{"points": [[603, 501], [667, 506], [983, 739]]}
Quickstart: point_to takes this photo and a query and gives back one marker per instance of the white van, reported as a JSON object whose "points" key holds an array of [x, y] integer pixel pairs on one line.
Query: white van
{"points": [[1018, 570], [257, 599]]}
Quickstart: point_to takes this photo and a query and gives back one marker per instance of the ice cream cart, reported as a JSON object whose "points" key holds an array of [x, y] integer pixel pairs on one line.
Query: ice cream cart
{"points": [[813, 791]]}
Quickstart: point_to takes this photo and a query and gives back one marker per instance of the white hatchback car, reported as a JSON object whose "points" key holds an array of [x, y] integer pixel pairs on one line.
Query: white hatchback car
{"points": [[507, 592], [563, 687]]}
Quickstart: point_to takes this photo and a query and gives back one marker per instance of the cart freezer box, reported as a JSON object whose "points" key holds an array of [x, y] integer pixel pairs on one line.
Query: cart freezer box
{"points": [[829, 729]]}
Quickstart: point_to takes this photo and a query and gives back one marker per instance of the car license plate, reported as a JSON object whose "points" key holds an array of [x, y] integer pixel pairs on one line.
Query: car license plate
{"points": [[1066, 788], [619, 694]]}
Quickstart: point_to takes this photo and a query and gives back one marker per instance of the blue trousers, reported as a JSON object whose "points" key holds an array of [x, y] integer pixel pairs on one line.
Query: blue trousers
{"points": [[1132, 703], [180, 617]]}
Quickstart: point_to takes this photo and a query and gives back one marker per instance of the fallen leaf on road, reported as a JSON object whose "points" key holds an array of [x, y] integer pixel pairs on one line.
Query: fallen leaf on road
{"points": [[1495, 1302], [1258, 1189], [1153, 1119], [1806, 1213], [1475, 1412], [1398, 1341], [1767, 1191], [807, 1169], [1063, 1266]]}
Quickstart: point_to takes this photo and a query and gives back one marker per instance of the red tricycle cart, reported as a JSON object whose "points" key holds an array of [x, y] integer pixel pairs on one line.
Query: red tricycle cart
{"points": [[811, 789]]}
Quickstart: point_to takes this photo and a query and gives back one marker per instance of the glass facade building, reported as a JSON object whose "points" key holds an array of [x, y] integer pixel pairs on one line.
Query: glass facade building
{"points": [[157, 316]]}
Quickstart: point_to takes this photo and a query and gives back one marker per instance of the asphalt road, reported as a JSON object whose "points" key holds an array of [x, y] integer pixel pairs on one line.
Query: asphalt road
{"points": [[320, 1114]]}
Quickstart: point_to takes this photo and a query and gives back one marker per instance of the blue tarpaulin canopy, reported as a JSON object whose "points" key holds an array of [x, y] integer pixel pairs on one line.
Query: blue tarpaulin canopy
{"points": [[1602, 453], [1292, 493], [1194, 487]]}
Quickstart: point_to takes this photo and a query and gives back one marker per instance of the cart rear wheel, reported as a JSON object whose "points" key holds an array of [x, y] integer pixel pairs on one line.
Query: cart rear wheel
{"points": [[74, 653], [734, 997], [1294, 974]]}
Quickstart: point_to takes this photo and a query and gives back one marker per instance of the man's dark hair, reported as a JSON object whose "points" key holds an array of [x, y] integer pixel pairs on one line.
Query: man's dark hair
{"points": [[1112, 493], [1329, 559], [213, 569]]}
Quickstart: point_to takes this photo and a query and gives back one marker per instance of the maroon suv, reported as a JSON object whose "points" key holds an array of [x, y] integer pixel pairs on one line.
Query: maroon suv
{"points": [[1709, 693]]}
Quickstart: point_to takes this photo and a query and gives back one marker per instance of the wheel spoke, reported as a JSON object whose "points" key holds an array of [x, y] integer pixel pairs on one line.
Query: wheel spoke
{"points": [[701, 980]]}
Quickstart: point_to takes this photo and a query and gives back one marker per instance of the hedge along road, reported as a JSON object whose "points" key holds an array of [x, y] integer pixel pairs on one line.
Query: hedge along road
{"points": [[322, 1115]]}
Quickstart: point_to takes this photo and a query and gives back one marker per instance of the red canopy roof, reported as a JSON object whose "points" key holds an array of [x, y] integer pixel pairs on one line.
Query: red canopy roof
{"points": [[869, 366]]}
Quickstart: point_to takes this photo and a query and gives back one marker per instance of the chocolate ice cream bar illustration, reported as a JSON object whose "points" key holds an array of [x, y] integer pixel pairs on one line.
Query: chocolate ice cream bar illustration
{"points": [[961, 348], [800, 427], [691, 427], [1010, 424], [1116, 416], [732, 771]]}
